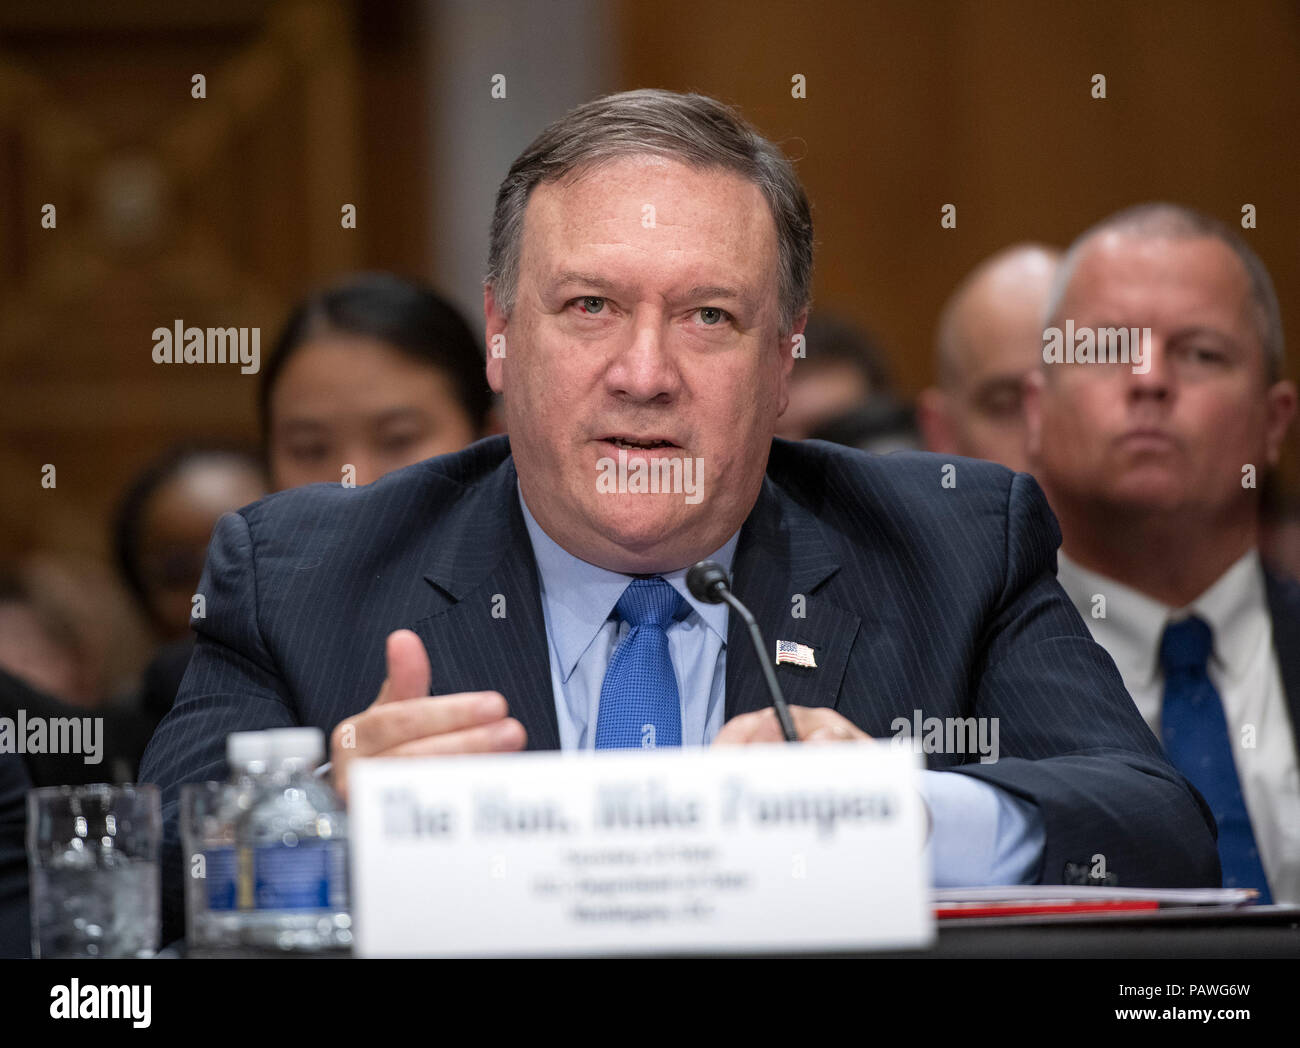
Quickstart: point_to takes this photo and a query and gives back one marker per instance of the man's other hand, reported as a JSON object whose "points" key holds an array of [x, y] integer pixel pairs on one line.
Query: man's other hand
{"points": [[811, 724]]}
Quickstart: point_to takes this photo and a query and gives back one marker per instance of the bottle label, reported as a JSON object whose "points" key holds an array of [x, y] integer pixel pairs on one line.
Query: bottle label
{"points": [[244, 878], [220, 870], [310, 875]]}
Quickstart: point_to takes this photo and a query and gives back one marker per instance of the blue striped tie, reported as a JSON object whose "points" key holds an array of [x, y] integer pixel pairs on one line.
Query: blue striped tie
{"points": [[1195, 733], [640, 707]]}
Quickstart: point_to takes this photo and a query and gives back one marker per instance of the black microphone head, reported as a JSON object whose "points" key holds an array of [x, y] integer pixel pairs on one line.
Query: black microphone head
{"points": [[707, 580]]}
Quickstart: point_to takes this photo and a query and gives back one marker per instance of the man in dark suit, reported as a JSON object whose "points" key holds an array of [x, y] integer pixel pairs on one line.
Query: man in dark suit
{"points": [[120, 737], [15, 916], [1153, 467], [119, 740], [648, 283]]}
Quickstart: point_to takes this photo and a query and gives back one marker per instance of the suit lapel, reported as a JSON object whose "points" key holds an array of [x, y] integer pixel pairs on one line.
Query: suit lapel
{"points": [[491, 635], [782, 556], [1284, 609]]}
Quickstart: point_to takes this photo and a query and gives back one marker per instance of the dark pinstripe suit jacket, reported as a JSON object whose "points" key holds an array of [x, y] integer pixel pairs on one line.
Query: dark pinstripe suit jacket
{"points": [[1283, 594], [918, 597], [15, 927]]}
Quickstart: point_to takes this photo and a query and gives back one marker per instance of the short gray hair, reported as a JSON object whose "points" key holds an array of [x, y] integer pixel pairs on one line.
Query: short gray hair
{"points": [[1175, 222], [690, 128]]}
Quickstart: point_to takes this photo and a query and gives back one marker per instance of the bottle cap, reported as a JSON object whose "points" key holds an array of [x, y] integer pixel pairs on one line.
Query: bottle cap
{"points": [[247, 747], [303, 744]]}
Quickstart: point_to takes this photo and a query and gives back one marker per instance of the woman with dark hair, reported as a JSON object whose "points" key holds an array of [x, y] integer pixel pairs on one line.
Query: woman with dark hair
{"points": [[165, 519], [374, 373], [160, 537]]}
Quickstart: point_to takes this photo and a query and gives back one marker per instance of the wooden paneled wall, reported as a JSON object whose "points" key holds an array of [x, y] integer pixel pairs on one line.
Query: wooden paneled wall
{"points": [[218, 211], [988, 105]]}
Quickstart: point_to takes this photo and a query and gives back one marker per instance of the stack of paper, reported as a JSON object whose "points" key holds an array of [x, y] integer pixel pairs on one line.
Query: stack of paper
{"points": [[1019, 900]]}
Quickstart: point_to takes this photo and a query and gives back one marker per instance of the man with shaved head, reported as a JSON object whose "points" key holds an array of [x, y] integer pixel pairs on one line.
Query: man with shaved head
{"points": [[1152, 466], [990, 337]]}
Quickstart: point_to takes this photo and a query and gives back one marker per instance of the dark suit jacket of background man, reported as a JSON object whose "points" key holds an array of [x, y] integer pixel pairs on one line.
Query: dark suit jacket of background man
{"points": [[1283, 596], [15, 927], [123, 738], [918, 597]]}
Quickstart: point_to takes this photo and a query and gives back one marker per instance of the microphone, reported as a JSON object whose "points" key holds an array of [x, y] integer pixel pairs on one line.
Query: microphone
{"points": [[707, 581]]}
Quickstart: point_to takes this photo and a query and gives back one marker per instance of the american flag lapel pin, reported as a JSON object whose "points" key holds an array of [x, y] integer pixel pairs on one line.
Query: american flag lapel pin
{"points": [[796, 654]]}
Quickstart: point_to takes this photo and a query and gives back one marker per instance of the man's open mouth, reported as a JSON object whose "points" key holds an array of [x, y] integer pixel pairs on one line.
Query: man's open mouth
{"points": [[640, 443]]}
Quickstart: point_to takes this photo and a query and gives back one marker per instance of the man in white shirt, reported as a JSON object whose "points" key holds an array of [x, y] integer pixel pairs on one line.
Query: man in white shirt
{"points": [[1151, 461]]}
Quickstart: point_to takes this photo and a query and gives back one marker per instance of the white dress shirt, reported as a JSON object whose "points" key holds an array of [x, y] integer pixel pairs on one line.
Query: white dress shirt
{"points": [[1243, 668]]}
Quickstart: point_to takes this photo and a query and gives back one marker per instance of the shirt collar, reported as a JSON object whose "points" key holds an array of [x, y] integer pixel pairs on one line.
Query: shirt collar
{"points": [[1134, 623], [580, 596], [1236, 607]]}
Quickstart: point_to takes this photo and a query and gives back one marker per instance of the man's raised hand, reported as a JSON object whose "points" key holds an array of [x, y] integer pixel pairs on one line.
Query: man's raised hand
{"points": [[406, 721]]}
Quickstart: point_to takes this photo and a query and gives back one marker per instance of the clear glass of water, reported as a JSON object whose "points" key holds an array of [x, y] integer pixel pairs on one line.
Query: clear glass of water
{"points": [[93, 856]]}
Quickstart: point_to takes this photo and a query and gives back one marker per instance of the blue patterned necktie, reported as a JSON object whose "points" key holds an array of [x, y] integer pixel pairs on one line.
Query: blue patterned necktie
{"points": [[640, 707], [1195, 733]]}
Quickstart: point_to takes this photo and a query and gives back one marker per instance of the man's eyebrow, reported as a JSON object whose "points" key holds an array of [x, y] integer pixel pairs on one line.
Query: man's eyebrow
{"points": [[300, 425], [716, 291], [399, 414], [569, 276], [596, 283], [1201, 331], [997, 383]]}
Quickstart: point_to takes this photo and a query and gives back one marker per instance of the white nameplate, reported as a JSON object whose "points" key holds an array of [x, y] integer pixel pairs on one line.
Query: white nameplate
{"points": [[700, 850]]}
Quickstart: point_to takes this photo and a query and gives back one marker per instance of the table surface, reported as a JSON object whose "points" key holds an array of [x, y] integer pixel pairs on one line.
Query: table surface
{"points": [[1211, 932], [1205, 933]]}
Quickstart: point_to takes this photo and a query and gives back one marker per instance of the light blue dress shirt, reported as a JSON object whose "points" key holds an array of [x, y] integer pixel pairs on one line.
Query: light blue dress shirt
{"points": [[981, 834]]}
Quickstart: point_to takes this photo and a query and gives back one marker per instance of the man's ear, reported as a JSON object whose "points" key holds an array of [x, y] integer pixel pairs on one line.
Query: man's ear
{"points": [[1033, 393], [494, 326], [1280, 405], [787, 361]]}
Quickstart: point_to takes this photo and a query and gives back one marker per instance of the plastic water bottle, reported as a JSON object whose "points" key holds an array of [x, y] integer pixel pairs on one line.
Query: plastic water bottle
{"points": [[248, 753], [213, 813], [294, 839]]}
